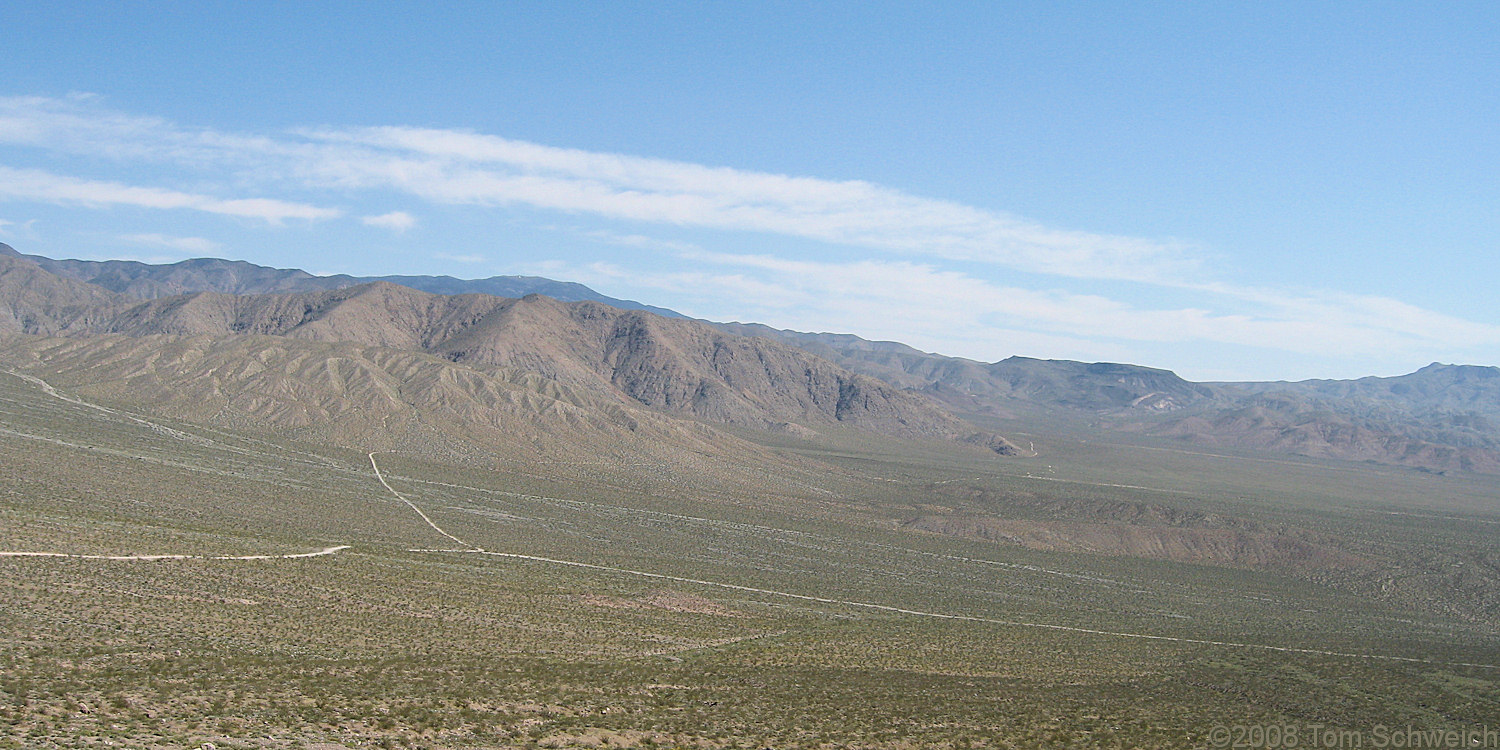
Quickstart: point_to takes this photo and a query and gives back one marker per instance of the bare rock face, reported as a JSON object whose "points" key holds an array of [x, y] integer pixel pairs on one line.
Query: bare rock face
{"points": [[691, 368]]}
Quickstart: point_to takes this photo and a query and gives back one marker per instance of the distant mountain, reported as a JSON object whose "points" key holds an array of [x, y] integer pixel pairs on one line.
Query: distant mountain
{"points": [[671, 365], [1002, 386], [1436, 388], [40, 303], [1285, 423], [152, 281], [518, 286], [1440, 418]]}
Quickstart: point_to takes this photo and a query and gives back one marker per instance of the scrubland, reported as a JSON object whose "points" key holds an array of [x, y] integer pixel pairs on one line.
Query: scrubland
{"points": [[1383, 582]]}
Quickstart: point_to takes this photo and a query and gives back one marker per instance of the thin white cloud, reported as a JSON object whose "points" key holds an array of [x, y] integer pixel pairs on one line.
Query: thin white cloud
{"points": [[447, 166], [396, 221], [790, 298], [11, 229], [460, 167], [185, 244], [1365, 311], [81, 124], [641, 241], [909, 292], [45, 187], [460, 258], [956, 313]]}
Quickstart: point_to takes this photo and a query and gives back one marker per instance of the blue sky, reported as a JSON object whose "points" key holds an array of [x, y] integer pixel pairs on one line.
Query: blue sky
{"points": [[1230, 190]]}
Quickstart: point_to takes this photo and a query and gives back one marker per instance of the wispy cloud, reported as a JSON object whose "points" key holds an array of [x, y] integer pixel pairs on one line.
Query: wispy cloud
{"points": [[460, 258], [957, 313], [185, 244], [81, 124], [641, 241], [11, 229], [907, 289], [459, 167], [396, 221], [37, 185]]}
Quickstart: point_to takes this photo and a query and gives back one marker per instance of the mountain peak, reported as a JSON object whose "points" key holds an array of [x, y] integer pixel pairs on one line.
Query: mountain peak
{"points": [[1482, 371]]}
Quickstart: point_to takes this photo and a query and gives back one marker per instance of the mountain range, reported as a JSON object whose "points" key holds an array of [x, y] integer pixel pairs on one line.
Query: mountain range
{"points": [[623, 362], [586, 365], [1439, 418], [150, 281]]}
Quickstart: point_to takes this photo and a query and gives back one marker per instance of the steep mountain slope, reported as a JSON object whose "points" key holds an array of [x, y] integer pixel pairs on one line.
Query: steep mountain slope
{"points": [[634, 358], [997, 387], [152, 281], [676, 366], [375, 398], [36, 302], [1441, 418]]}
